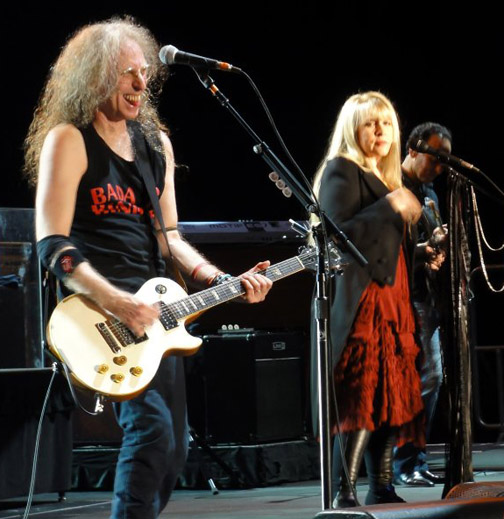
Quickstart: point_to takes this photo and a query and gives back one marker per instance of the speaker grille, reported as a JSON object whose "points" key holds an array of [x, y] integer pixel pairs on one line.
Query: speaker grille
{"points": [[472, 490]]}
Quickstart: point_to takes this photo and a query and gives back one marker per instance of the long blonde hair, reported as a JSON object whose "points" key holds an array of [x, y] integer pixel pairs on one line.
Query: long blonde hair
{"points": [[343, 142], [84, 76]]}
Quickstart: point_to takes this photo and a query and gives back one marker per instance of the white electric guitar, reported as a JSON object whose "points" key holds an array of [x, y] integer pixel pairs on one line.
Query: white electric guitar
{"points": [[103, 355]]}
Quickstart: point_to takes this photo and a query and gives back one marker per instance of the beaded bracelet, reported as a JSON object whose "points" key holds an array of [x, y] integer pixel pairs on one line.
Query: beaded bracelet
{"points": [[219, 279], [211, 278]]}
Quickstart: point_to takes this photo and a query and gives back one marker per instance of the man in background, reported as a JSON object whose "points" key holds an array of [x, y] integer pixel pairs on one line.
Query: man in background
{"points": [[419, 172]]}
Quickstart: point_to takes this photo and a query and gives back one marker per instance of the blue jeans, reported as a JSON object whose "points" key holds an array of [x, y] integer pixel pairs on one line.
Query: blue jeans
{"points": [[154, 446], [409, 457]]}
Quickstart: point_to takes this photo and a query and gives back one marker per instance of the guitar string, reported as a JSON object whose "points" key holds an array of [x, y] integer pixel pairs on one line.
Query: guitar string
{"points": [[209, 298], [125, 336]]}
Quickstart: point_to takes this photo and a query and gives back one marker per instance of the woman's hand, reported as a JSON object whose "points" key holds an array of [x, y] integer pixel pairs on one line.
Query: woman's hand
{"points": [[404, 202]]}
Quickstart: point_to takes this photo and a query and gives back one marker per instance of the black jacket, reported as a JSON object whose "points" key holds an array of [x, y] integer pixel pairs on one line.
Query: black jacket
{"points": [[355, 200]]}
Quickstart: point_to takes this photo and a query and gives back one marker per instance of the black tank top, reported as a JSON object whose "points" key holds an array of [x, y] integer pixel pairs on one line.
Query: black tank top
{"points": [[112, 225]]}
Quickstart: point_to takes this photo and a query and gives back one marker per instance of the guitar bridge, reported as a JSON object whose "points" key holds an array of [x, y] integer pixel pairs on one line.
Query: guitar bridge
{"points": [[116, 332], [123, 334]]}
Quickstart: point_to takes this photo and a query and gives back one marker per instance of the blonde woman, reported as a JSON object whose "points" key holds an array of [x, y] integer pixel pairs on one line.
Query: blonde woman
{"points": [[372, 324]]}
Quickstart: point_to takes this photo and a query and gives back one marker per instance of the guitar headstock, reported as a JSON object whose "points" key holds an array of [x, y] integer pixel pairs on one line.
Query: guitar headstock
{"points": [[309, 257]]}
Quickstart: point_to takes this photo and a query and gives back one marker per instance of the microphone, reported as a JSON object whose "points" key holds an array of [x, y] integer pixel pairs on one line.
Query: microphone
{"points": [[443, 156], [170, 55]]}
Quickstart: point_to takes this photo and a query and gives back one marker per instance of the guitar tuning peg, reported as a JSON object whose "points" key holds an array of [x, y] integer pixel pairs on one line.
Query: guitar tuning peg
{"points": [[280, 184]]}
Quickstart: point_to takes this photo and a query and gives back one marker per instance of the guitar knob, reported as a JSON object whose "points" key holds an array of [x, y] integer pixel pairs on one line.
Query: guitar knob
{"points": [[117, 377], [121, 360], [136, 371], [102, 369]]}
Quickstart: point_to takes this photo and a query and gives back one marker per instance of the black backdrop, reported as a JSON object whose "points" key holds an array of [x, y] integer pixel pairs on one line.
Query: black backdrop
{"points": [[435, 61]]}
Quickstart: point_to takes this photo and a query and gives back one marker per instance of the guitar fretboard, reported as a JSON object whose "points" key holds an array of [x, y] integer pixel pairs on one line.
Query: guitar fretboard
{"points": [[116, 333], [228, 290]]}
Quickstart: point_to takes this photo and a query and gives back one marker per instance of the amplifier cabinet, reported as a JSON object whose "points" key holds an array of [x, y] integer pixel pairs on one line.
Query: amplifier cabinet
{"points": [[247, 387], [20, 291]]}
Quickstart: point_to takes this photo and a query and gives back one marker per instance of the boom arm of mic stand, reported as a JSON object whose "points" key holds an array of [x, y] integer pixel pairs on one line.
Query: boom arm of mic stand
{"points": [[260, 147], [499, 200], [343, 241], [264, 151], [322, 304]]}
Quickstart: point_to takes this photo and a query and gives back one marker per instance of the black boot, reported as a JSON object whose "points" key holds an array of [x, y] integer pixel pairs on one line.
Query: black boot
{"points": [[379, 459], [356, 443]]}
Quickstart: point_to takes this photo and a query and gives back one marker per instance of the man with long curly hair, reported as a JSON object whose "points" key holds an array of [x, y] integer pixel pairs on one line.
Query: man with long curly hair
{"points": [[94, 129]]}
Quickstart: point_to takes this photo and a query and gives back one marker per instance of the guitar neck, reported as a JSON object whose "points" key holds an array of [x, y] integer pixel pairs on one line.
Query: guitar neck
{"points": [[229, 290]]}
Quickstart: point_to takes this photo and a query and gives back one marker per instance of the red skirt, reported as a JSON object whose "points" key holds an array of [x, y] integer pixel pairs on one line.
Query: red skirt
{"points": [[376, 378]]}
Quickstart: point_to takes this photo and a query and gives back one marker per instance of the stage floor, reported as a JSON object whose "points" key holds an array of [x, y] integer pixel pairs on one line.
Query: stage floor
{"points": [[293, 500]]}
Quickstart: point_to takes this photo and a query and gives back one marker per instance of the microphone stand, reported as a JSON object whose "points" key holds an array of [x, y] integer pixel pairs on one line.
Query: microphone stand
{"points": [[321, 303], [455, 173]]}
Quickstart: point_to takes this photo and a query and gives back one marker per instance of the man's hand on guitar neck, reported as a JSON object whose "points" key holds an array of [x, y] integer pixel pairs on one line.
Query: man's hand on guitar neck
{"points": [[435, 258], [256, 285], [435, 249], [439, 238], [433, 252]]}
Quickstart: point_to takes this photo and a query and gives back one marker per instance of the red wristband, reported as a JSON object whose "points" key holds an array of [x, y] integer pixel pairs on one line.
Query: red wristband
{"points": [[196, 269], [210, 279]]}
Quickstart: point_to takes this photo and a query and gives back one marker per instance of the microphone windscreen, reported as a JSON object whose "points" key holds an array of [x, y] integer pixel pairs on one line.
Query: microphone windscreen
{"points": [[167, 54]]}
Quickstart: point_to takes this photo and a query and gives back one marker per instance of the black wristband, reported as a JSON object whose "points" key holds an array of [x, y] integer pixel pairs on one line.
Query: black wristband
{"points": [[66, 262], [59, 255]]}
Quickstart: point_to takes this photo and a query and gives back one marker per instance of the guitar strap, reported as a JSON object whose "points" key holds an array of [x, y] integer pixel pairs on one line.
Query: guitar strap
{"points": [[143, 156]]}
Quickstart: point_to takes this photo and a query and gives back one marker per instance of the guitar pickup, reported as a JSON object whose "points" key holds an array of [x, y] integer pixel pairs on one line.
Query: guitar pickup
{"points": [[108, 337], [138, 340], [166, 318]]}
